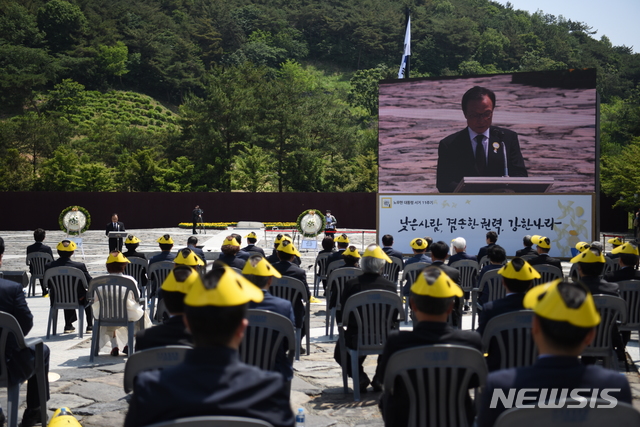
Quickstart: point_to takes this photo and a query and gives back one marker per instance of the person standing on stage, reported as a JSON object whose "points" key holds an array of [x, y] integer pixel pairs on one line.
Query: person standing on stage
{"points": [[115, 244], [330, 225], [196, 217]]}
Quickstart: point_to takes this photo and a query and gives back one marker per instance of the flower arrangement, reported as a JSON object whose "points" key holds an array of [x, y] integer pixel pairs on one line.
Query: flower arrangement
{"points": [[74, 220]]}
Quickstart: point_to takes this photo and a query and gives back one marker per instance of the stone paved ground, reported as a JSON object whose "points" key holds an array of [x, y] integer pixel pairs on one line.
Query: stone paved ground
{"points": [[94, 391]]}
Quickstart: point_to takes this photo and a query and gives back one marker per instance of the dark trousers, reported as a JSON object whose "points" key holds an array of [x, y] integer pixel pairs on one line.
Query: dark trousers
{"points": [[115, 245], [19, 370]]}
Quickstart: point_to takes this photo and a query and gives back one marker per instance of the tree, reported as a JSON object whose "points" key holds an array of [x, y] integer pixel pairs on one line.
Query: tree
{"points": [[621, 175], [364, 88], [63, 23], [113, 59], [253, 170]]}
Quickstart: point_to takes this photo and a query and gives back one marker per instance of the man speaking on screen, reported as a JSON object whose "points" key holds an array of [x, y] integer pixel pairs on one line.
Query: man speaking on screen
{"points": [[480, 149]]}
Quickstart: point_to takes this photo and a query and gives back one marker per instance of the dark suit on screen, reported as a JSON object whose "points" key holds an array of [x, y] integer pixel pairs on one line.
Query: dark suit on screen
{"points": [[456, 158]]}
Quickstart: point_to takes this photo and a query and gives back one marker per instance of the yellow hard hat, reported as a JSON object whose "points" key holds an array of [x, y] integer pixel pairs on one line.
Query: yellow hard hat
{"points": [[589, 257], [626, 248], [376, 252], [251, 235], [615, 241], [63, 417], [542, 241], [165, 240], [351, 251], [259, 266], [343, 238], [435, 283], [527, 272], [280, 238], [288, 248], [231, 289], [131, 239], [231, 241], [187, 257], [116, 256], [546, 301], [419, 243], [582, 246], [172, 284], [71, 246]]}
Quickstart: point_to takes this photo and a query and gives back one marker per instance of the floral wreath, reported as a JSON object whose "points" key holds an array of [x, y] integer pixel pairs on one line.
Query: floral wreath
{"points": [[65, 211], [310, 212]]}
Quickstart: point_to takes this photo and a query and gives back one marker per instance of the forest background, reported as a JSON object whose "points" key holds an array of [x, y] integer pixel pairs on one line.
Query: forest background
{"points": [[261, 95]]}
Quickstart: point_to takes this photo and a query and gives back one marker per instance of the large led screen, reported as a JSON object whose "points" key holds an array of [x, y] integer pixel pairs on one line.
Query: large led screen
{"points": [[542, 126]]}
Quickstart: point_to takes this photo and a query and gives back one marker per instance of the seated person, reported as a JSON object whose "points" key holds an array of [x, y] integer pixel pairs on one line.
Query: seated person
{"points": [[38, 235], [65, 249], [212, 380], [252, 239], [543, 246], [497, 256], [166, 244], [230, 248], [328, 246], [343, 242], [459, 246], [432, 297], [273, 258], [628, 259], [528, 247], [192, 243], [241, 253], [132, 243], [373, 261], [615, 243], [564, 324], [351, 257], [439, 254], [172, 331], [387, 247], [185, 257], [259, 272], [491, 239], [419, 247]]}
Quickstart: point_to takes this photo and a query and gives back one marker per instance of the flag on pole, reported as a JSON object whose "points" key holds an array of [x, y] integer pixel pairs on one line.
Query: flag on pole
{"points": [[407, 51]]}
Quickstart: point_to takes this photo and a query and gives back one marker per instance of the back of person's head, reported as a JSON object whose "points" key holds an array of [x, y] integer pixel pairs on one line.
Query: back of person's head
{"points": [[565, 311], [387, 240], [1, 246], [39, 234], [590, 261], [543, 243], [518, 275], [252, 238], [192, 240], [429, 241], [526, 240], [66, 248], [177, 284], [459, 244], [230, 246], [597, 245], [477, 93], [439, 250], [342, 241], [492, 236], [286, 251], [373, 259], [419, 245], [433, 292], [237, 237], [116, 263], [328, 243], [629, 260], [165, 242], [497, 254], [259, 271]]}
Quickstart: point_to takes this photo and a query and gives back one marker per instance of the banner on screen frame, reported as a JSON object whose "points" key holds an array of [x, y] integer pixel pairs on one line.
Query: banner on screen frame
{"points": [[564, 218]]}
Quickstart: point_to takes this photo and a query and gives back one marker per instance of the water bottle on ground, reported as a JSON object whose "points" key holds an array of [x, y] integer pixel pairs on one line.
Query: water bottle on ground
{"points": [[300, 418]]}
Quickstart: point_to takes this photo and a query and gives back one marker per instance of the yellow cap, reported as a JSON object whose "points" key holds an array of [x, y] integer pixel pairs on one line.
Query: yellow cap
{"points": [[582, 246], [543, 242], [69, 248], [376, 252], [165, 240], [615, 241], [172, 284], [288, 248], [589, 257], [351, 251], [435, 283], [251, 235], [343, 238], [116, 256], [231, 289], [280, 238], [259, 266], [187, 257], [626, 248], [419, 243], [131, 239], [546, 301], [231, 241], [526, 272]]}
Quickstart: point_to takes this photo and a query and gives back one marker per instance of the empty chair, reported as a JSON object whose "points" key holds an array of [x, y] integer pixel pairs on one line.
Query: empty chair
{"points": [[510, 336], [468, 269], [484, 261], [214, 421], [612, 310], [153, 358], [37, 261], [293, 290], [320, 271], [548, 273], [409, 275], [391, 271], [10, 326], [376, 314], [335, 285], [630, 293], [63, 283], [622, 415], [434, 382], [491, 286], [137, 268], [158, 271], [112, 292]]}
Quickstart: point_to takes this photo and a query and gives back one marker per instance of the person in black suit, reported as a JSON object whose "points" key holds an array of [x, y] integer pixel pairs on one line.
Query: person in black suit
{"points": [[273, 258], [432, 299], [480, 149], [21, 363], [387, 243], [38, 235], [372, 261], [543, 246], [628, 259], [528, 249], [491, 238], [196, 217], [115, 225], [212, 380], [259, 272], [459, 245], [616, 242], [172, 331], [192, 241], [419, 247], [132, 243], [343, 242], [497, 256], [563, 326], [252, 239], [65, 249]]}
